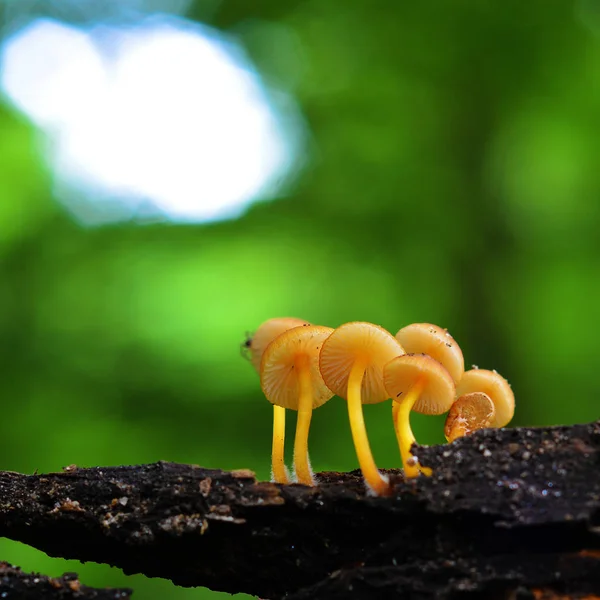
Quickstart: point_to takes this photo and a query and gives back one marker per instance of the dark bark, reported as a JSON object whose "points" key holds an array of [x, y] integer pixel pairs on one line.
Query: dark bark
{"points": [[14, 584], [507, 514]]}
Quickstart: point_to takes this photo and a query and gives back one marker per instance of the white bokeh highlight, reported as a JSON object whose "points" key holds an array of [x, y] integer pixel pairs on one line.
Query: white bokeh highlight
{"points": [[164, 118]]}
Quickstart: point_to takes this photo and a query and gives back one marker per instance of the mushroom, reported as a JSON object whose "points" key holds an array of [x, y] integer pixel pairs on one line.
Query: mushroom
{"points": [[496, 387], [437, 343], [290, 378], [416, 382], [265, 334], [255, 345], [351, 363], [468, 414]]}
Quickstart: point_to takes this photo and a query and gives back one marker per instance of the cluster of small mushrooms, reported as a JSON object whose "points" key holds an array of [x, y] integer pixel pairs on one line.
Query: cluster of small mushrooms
{"points": [[302, 366]]}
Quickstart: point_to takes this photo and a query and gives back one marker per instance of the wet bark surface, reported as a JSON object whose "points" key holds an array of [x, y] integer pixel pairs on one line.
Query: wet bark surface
{"points": [[509, 513], [17, 585]]}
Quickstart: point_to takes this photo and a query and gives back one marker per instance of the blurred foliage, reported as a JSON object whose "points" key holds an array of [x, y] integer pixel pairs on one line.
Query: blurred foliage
{"points": [[454, 178]]}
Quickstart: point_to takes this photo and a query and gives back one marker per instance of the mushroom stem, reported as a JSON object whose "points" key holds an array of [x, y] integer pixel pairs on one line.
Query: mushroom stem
{"points": [[373, 477], [406, 438], [305, 404], [280, 472]]}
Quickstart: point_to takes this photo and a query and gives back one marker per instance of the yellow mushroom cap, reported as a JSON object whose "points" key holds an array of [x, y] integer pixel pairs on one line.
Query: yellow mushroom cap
{"points": [[437, 343], [403, 372], [358, 341], [266, 333], [471, 411], [496, 387], [282, 362]]}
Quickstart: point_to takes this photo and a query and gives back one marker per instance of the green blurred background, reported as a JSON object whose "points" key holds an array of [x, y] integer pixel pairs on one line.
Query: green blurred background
{"points": [[452, 176]]}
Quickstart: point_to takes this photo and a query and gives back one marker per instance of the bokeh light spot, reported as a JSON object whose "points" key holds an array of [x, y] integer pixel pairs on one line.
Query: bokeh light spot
{"points": [[165, 119]]}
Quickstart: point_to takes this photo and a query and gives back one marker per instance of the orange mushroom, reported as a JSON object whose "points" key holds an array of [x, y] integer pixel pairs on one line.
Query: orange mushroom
{"points": [[351, 363], [256, 345], [468, 414], [416, 382], [496, 387], [266, 333], [430, 339], [290, 378]]}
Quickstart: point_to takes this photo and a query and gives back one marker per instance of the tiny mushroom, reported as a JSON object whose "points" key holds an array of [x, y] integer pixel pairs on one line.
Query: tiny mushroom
{"points": [[351, 363], [496, 387], [416, 382], [255, 344], [266, 333], [468, 414], [430, 339], [290, 378]]}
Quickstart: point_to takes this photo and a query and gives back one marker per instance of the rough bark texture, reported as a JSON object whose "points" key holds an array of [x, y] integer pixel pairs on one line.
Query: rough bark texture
{"points": [[16, 585], [507, 514]]}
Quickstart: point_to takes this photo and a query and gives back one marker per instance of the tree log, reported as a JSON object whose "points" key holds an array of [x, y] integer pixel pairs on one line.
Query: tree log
{"points": [[16, 585], [512, 513]]}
